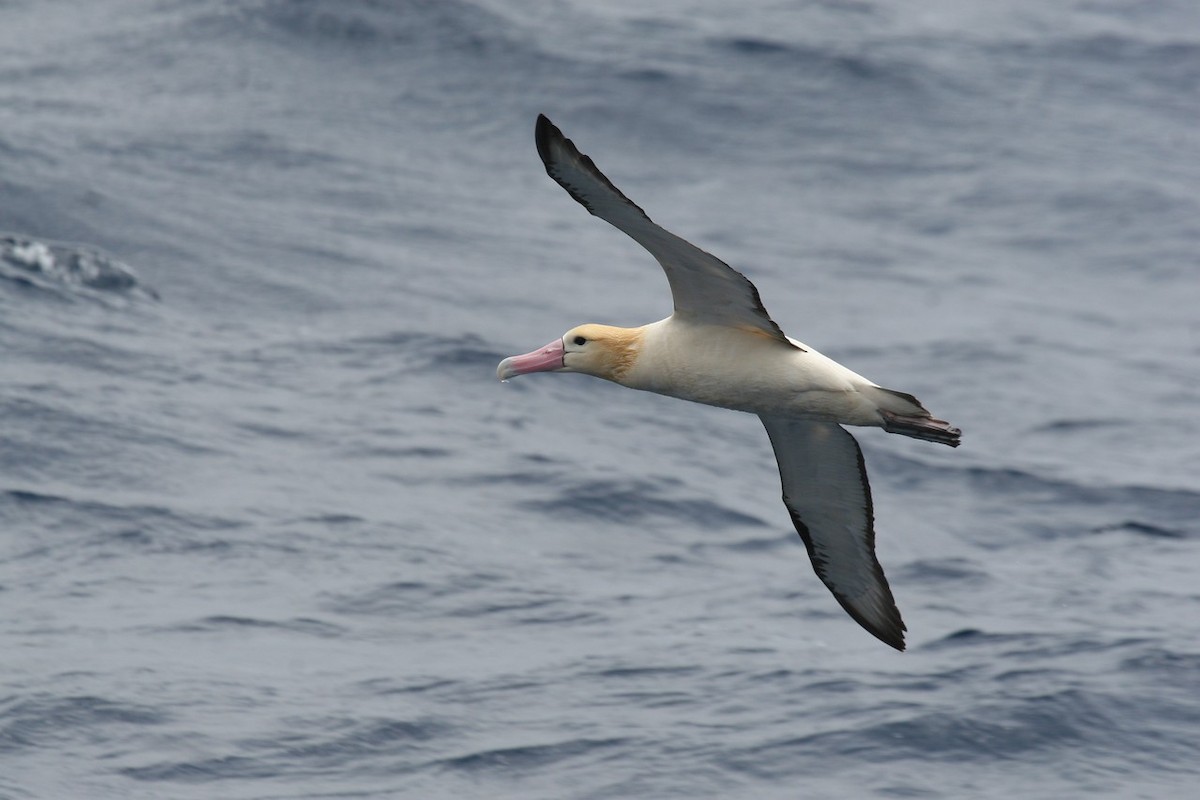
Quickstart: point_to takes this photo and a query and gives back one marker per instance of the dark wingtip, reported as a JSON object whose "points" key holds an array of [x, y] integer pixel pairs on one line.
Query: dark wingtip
{"points": [[544, 132], [890, 630], [890, 633], [553, 147], [894, 639]]}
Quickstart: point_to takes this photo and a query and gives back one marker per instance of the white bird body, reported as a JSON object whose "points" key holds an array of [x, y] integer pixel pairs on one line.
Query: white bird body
{"points": [[745, 371], [721, 348]]}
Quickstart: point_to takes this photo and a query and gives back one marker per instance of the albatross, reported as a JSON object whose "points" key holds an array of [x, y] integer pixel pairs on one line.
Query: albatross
{"points": [[721, 348]]}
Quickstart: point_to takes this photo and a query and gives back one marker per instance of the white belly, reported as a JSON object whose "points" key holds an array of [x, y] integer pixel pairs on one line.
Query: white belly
{"points": [[726, 367]]}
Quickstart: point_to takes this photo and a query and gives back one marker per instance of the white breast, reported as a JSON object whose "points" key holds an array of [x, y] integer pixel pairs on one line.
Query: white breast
{"points": [[746, 371]]}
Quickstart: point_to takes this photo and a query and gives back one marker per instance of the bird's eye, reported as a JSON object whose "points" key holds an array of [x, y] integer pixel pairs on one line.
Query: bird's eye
{"points": [[580, 340]]}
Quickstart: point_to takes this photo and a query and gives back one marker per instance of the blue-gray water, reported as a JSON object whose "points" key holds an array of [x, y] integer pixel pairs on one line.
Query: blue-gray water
{"points": [[271, 529]]}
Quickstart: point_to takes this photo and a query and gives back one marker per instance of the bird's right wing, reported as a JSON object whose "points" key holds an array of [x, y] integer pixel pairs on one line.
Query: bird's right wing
{"points": [[826, 492]]}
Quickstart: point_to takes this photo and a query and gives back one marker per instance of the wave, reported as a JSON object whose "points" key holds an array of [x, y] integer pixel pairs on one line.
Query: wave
{"points": [[45, 721], [314, 745], [1144, 511], [223, 622], [67, 269], [423, 25], [1167, 65], [629, 503], [111, 527], [536, 756], [822, 61]]}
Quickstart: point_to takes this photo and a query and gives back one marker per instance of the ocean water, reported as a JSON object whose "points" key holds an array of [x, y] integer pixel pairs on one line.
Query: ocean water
{"points": [[271, 528]]}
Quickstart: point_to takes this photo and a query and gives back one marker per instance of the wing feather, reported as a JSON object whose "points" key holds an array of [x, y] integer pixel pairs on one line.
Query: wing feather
{"points": [[705, 289], [826, 492]]}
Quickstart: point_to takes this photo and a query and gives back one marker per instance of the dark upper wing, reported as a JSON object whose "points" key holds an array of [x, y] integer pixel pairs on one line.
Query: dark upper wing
{"points": [[705, 289], [826, 492]]}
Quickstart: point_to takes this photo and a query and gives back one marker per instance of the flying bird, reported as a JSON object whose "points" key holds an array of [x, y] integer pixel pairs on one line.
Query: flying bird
{"points": [[721, 348]]}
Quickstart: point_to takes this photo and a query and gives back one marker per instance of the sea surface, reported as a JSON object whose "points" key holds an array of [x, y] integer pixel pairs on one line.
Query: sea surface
{"points": [[270, 527]]}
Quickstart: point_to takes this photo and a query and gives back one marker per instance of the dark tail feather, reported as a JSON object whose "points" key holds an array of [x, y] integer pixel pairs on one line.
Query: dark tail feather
{"points": [[927, 428]]}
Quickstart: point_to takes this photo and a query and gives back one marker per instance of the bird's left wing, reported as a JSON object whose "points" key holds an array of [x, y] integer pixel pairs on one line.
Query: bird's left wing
{"points": [[705, 289], [826, 492]]}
